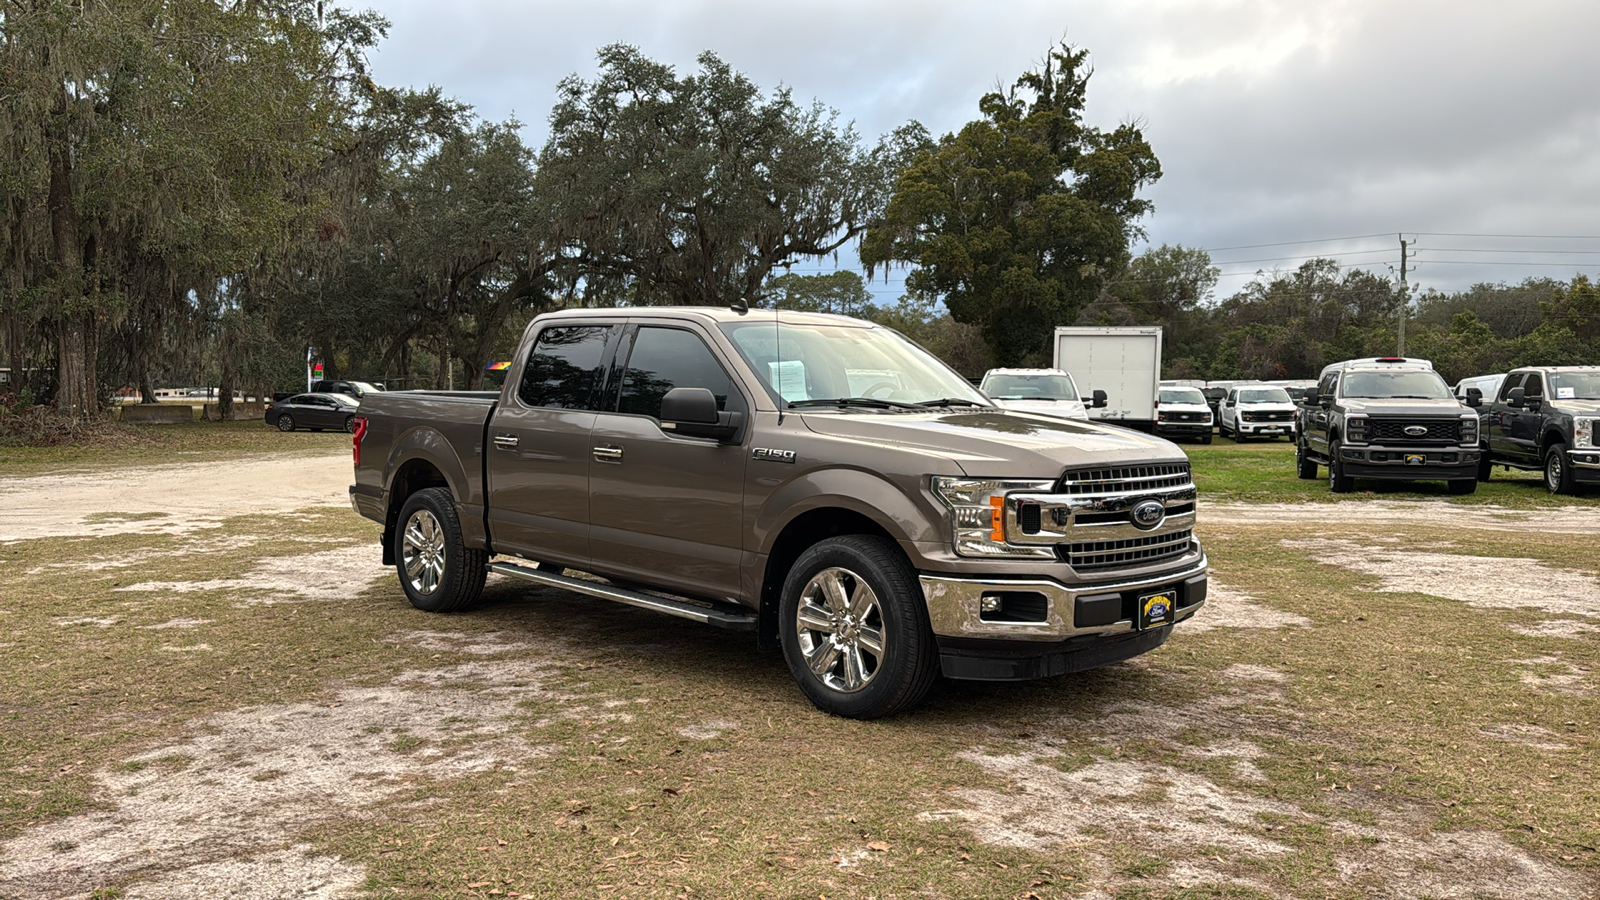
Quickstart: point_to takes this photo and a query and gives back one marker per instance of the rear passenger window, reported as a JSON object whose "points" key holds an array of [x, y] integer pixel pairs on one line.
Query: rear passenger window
{"points": [[563, 371], [667, 358]]}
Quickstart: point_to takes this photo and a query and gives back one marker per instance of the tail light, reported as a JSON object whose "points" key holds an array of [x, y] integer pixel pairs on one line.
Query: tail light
{"points": [[355, 438]]}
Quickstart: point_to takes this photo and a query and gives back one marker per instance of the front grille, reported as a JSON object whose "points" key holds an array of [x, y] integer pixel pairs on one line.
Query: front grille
{"points": [[1440, 431], [1184, 417], [1090, 555], [1267, 416], [1119, 479]]}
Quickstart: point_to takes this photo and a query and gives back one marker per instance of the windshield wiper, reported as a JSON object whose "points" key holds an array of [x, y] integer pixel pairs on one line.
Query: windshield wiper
{"points": [[947, 401], [843, 402]]}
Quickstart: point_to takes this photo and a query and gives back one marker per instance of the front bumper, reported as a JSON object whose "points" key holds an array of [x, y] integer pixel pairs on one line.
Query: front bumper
{"points": [[1585, 465], [1182, 428], [1402, 463], [1040, 626], [1271, 428]]}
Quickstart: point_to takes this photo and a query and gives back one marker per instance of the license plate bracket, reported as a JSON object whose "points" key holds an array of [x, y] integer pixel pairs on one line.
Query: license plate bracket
{"points": [[1156, 609]]}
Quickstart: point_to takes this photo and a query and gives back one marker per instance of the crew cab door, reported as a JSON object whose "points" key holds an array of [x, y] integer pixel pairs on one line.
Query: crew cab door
{"points": [[1227, 409], [539, 444], [1317, 415], [1527, 423], [1497, 423], [667, 509]]}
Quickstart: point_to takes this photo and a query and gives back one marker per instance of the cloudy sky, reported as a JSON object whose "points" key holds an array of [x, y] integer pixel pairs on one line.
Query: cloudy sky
{"points": [[1285, 128]]}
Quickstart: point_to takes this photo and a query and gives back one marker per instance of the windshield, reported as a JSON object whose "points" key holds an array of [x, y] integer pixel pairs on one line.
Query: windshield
{"points": [[825, 361], [1264, 395], [1182, 395], [365, 387], [1412, 385], [1044, 386], [1575, 385]]}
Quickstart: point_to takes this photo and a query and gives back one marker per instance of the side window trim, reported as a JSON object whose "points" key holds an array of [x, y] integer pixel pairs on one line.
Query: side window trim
{"points": [[607, 352], [623, 357]]}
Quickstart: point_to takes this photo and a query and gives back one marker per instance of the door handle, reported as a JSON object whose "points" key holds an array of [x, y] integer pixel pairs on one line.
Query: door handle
{"points": [[607, 453], [505, 441]]}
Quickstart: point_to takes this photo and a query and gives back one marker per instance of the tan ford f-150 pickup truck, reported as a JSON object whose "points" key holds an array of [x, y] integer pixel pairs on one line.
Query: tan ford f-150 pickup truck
{"points": [[817, 480]]}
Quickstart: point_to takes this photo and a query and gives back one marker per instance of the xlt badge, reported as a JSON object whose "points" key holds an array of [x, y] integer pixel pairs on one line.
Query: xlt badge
{"points": [[767, 453]]}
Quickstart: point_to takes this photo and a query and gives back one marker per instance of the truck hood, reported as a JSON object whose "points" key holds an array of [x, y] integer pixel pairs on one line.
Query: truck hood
{"points": [[1184, 407], [1576, 407], [1403, 407], [999, 442], [1065, 409]]}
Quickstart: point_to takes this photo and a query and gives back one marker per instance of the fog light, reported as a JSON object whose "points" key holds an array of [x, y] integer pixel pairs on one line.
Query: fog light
{"points": [[989, 603]]}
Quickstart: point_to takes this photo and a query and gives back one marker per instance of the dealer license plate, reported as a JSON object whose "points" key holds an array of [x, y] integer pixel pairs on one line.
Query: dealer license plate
{"points": [[1155, 610], [1416, 459]]}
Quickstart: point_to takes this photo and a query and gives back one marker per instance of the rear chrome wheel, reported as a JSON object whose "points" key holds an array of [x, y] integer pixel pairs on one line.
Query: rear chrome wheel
{"points": [[437, 571]]}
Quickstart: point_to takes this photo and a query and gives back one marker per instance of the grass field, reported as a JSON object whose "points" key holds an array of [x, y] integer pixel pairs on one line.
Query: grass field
{"points": [[1358, 712]]}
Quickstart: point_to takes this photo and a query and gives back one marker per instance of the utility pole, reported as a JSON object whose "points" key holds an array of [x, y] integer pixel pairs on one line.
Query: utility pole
{"points": [[1405, 298]]}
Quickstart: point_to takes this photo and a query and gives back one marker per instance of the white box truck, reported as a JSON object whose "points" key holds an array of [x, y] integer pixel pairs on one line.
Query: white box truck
{"points": [[1125, 362]]}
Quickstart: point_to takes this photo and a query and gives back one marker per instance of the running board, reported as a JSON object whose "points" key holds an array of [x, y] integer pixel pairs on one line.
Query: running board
{"points": [[722, 615]]}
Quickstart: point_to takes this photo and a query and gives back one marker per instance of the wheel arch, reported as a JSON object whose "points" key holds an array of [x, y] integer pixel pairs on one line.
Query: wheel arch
{"points": [[412, 475], [804, 530]]}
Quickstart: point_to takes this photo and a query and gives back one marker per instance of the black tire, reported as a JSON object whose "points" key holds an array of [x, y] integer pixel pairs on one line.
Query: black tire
{"points": [[1338, 482], [857, 680], [1305, 466], [1485, 466], [1557, 474], [437, 571], [350, 424], [1222, 428], [285, 422], [1205, 438], [1463, 486]]}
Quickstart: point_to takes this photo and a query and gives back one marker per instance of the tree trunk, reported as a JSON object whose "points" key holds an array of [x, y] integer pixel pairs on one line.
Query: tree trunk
{"points": [[75, 329]]}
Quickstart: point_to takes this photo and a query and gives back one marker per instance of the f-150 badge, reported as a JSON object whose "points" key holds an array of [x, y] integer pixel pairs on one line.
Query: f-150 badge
{"points": [[771, 455]]}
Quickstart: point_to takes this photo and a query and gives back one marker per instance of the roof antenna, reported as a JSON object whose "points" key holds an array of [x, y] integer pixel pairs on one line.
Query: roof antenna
{"points": [[777, 338]]}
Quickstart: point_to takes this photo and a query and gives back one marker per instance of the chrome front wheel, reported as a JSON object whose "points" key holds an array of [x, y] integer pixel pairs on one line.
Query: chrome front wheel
{"points": [[839, 626]]}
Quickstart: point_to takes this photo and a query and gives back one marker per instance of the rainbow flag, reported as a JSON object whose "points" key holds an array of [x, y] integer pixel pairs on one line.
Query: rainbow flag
{"points": [[497, 367]]}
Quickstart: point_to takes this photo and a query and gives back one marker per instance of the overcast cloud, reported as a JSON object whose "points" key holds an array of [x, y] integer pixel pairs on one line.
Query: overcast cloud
{"points": [[1275, 120]]}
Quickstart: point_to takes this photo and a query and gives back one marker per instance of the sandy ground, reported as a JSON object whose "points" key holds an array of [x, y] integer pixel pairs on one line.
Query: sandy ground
{"points": [[1436, 513], [214, 813], [171, 499]]}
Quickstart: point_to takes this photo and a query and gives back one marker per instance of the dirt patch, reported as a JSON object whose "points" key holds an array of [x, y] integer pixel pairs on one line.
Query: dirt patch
{"points": [[1228, 608], [705, 731], [1109, 808], [1436, 514], [1528, 736], [197, 812], [178, 623], [1557, 628], [1559, 677], [335, 574], [1493, 583], [186, 496]]}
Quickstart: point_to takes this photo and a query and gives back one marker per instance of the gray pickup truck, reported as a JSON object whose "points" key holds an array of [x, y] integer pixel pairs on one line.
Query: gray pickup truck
{"points": [[817, 480], [1546, 418]]}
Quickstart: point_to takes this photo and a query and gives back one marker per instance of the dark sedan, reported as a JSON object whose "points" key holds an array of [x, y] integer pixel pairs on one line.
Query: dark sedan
{"points": [[314, 411]]}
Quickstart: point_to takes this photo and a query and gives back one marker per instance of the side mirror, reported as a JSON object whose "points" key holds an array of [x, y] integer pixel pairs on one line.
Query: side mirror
{"points": [[692, 412], [1100, 400], [1313, 397], [1474, 397], [1514, 399]]}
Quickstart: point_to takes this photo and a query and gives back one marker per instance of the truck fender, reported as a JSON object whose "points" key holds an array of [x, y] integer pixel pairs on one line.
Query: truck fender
{"points": [[863, 502], [427, 446]]}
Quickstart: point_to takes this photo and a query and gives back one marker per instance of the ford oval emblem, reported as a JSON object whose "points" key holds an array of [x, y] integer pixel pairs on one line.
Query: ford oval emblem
{"points": [[1148, 514], [1416, 430]]}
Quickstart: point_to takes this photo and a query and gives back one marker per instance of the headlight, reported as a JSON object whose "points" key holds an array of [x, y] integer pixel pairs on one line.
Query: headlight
{"points": [[1583, 432], [1162, 417], [1469, 429], [1355, 429], [979, 509]]}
